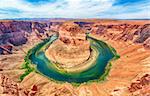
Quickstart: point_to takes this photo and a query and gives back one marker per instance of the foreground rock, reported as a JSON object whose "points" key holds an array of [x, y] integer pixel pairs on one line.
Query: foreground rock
{"points": [[141, 86]]}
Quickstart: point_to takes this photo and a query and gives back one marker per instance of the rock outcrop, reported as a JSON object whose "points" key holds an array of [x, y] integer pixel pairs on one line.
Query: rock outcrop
{"points": [[10, 88], [143, 35], [141, 86], [124, 32], [71, 48], [14, 32], [17, 32]]}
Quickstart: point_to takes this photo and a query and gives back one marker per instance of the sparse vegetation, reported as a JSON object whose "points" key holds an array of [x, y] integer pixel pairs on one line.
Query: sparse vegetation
{"points": [[30, 67], [27, 65]]}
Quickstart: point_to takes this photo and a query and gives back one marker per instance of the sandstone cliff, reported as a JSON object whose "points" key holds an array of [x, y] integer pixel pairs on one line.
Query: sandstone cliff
{"points": [[129, 75], [135, 33], [16, 33]]}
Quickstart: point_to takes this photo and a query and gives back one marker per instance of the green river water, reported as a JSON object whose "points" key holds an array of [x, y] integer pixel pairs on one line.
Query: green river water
{"points": [[99, 71]]}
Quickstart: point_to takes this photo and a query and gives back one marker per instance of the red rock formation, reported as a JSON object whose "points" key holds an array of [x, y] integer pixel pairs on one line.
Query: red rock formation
{"points": [[140, 84], [125, 32], [71, 48], [10, 88], [5, 49], [16, 32], [147, 43]]}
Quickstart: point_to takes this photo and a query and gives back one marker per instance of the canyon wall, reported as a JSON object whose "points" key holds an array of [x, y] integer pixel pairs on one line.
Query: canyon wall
{"points": [[136, 33], [17, 32]]}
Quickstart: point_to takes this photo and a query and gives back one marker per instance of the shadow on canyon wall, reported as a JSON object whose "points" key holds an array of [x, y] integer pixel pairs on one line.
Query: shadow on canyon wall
{"points": [[15, 33]]}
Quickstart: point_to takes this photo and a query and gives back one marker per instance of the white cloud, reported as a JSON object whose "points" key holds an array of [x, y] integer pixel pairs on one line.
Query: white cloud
{"points": [[132, 11], [61, 8], [72, 9]]}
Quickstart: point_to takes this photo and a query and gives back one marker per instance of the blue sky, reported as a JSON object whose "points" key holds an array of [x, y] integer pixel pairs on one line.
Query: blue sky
{"points": [[113, 9]]}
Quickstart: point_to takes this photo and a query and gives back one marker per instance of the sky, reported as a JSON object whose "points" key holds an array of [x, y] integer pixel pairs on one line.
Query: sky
{"points": [[111, 9]]}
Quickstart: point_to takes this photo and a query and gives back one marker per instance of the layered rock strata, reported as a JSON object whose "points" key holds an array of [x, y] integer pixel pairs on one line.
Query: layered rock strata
{"points": [[71, 49], [17, 33], [136, 33]]}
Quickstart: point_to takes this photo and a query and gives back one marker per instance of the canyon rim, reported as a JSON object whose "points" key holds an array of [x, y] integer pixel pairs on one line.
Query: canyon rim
{"points": [[74, 48]]}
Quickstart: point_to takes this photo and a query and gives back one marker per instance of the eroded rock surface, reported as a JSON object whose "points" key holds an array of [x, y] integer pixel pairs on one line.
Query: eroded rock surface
{"points": [[141, 86], [71, 48], [136, 33], [135, 60]]}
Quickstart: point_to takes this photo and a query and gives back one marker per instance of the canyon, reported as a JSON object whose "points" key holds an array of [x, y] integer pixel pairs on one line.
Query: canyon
{"points": [[71, 45], [129, 75]]}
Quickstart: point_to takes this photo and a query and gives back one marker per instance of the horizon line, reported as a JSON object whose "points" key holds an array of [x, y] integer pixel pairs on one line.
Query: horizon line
{"points": [[74, 18]]}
